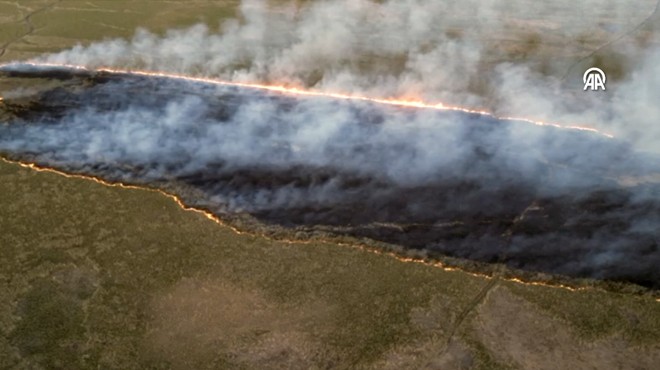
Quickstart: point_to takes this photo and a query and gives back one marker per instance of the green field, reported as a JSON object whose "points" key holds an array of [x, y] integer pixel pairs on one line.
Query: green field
{"points": [[103, 277], [123, 278]]}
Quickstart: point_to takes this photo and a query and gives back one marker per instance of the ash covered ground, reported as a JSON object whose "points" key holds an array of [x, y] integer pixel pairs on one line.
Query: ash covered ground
{"points": [[460, 184]]}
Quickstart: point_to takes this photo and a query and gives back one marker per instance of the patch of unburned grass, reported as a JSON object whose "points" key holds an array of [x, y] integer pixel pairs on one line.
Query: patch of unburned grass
{"points": [[128, 249], [595, 314], [142, 243]]}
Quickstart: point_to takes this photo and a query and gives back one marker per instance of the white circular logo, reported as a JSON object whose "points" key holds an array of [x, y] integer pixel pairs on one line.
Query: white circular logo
{"points": [[594, 78]]}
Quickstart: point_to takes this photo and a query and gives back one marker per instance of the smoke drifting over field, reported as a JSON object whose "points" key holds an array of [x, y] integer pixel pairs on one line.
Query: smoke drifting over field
{"points": [[447, 51], [463, 184]]}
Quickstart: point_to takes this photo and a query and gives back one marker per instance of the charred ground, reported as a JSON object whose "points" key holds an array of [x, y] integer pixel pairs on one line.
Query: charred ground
{"points": [[563, 207]]}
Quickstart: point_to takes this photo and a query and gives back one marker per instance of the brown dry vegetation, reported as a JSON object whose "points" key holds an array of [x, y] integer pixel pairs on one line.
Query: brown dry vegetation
{"points": [[93, 276], [103, 276]]}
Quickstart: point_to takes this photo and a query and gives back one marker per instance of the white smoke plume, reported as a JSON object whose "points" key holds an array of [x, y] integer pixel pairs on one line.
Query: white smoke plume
{"points": [[449, 51], [322, 161]]}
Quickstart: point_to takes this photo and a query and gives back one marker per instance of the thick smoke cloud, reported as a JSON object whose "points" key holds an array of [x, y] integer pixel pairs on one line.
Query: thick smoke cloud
{"points": [[467, 185], [450, 51], [463, 184]]}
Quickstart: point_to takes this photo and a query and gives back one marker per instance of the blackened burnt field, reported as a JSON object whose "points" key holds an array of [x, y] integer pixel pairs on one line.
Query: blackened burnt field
{"points": [[465, 185]]}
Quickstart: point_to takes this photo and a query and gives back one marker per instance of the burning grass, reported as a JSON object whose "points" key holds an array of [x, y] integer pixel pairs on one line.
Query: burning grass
{"points": [[96, 276], [122, 254]]}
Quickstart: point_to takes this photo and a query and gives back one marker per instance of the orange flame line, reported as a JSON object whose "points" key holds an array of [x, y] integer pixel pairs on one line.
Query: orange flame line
{"points": [[301, 92], [315, 93], [362, 247]]}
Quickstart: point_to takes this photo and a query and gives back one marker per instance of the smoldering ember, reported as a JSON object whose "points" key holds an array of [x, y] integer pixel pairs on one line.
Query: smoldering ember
{"points": [[467, 185]]}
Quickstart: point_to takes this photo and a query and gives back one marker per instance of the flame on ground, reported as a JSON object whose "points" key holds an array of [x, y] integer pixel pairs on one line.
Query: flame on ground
{"points": [[297, 91], [362, 247]]}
